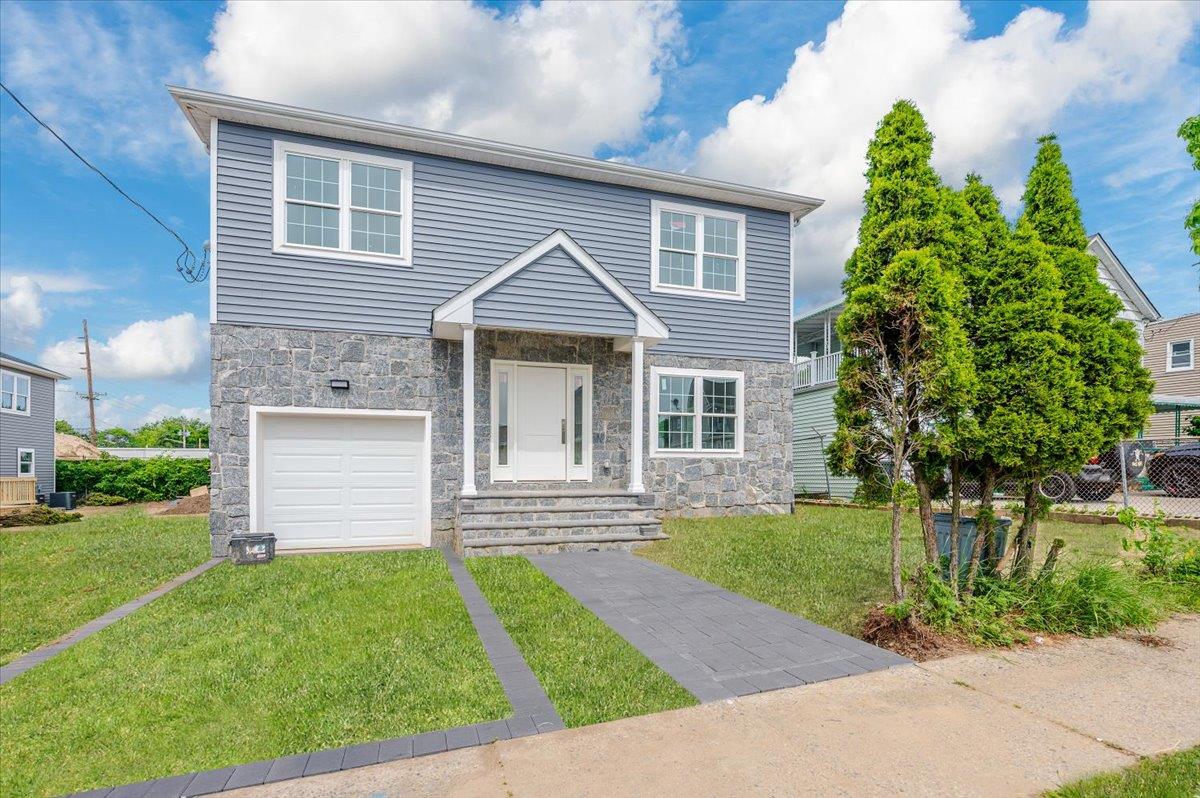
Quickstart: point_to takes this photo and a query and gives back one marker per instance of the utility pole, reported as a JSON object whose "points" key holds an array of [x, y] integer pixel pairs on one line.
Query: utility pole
{"points": [[183, 432], [91, 394]]}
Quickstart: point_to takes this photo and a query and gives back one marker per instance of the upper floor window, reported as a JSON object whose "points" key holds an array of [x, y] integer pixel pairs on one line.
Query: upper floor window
{"points": [[698, 412], [697, 251], [345, 205], [14, 392], [1179, 355]]}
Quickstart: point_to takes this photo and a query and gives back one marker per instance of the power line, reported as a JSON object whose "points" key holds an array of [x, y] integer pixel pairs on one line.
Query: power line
{"points": [[185, 264]]}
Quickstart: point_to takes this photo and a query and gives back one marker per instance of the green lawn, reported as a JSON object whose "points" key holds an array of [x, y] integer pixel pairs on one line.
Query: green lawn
{"points": [[1171, 776], [56, 578], [827, 564], [248, 663], [589, 672]]}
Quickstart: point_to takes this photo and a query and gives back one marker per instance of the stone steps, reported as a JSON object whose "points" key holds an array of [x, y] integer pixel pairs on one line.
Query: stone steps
{"points": [[568, 519]]}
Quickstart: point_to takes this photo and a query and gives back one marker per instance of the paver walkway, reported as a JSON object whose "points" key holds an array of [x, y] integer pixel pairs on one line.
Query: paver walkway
{"points": [[21, 664], [988, 725], [715, 643]]}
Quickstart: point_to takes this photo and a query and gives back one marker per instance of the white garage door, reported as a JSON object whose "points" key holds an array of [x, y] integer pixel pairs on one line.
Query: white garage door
{"points": [[330, 481]]}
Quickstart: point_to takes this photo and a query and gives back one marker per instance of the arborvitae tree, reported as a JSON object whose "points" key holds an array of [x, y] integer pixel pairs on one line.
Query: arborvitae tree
{"points": [[1189, 131], [1107, 356], [906, 361]]}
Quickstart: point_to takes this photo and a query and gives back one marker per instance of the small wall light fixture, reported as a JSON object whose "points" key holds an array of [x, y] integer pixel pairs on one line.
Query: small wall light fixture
{"points": [[339, 385]]}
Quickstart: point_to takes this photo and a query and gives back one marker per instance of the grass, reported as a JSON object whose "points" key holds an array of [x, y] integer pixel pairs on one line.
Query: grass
{"points": [[54, 579], [589, 672], [826, 564], [248, 663], [830, 564], [1172, 776]]}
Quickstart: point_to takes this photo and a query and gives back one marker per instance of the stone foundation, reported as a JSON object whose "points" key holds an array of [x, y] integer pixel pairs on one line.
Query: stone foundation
{"points": [[292, 368]]}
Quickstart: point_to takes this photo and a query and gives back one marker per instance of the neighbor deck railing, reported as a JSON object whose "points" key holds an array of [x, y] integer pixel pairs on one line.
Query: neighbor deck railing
{"points": [[17, 491], [817, 370]]}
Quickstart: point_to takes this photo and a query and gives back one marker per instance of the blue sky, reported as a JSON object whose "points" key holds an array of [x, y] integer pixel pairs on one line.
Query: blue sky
{"points": [[777, 94]]}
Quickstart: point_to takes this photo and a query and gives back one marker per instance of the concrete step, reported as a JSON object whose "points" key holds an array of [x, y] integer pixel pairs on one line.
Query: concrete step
{"points": [[522, 499], [561, 523], [554, 543], [557, 508], [556, 514]]}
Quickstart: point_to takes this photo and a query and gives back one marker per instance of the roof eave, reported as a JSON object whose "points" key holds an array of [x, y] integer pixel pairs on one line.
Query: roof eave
{"points": [[1131, 286], [200, 106], [30, 368]]}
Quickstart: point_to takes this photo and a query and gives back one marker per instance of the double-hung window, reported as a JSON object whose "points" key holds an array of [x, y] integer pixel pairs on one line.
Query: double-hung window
{"points": [[342, 205], [696, 412], [14, 393], [1179, 355], [25, 463], [697, 251]]}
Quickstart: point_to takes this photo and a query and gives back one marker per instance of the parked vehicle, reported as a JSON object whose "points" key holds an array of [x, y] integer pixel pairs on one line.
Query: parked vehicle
{"points": [[1099, 478], [1176, 471]]}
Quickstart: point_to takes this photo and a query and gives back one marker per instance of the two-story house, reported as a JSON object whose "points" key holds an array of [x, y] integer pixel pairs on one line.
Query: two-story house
{"points": [[818, 354], [625, 334], [1171, 357], [26, 429]]}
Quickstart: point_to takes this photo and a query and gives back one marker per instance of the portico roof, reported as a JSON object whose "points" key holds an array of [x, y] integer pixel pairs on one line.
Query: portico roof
{"points": [[626, 316]]}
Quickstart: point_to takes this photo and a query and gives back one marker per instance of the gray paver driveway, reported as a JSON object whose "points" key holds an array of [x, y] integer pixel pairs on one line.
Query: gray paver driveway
{"points": [[714, 642]]}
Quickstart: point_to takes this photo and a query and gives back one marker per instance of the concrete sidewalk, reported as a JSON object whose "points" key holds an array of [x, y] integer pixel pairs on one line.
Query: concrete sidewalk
{"points": [[1011, 723]]}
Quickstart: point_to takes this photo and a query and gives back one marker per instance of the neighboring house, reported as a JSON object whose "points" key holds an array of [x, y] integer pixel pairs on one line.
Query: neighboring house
{"points": [[1171, 357], [818, 355], [27, 422], [627, 335]]}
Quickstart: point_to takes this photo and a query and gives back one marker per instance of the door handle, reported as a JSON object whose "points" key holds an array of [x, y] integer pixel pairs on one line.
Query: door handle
{"points": [[564, 431]]}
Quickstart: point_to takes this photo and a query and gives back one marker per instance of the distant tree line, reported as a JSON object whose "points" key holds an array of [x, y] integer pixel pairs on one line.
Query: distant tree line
{"points": [[167, 433]]}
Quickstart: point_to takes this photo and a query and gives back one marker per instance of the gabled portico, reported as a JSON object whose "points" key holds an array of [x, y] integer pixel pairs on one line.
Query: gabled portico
{"points": [[553, 287]]}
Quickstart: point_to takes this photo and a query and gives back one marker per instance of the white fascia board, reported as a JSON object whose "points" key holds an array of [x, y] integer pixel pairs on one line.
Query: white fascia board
{"points": [[201, 106]]}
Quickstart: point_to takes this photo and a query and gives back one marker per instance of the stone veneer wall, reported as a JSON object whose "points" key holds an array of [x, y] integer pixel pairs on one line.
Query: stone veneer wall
{"points": [[292, 368]]}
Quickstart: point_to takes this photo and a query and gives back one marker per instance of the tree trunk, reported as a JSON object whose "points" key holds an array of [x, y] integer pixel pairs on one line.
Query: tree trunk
{"points": [[1027, 534], [983, 526], [897, 584], [955, 510], [925, 505], [1051, 558]]}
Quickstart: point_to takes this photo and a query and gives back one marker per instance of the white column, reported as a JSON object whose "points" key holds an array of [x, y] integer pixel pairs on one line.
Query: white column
{"points": [[635, 444], [468, 390]]}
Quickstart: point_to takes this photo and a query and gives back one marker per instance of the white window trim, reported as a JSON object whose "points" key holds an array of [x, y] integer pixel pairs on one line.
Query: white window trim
{"points": [[699, 375], [507, 473], [16, 375], [344, 159], [656, 209], [1191, 354], [32, 463]]}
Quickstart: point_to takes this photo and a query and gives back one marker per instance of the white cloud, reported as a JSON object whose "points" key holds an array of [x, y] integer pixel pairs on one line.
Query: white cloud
{"points": [[985, 101], [164, 410], [50, 282], [568, 76], [21, 312], [168, 348], [96, 73]]}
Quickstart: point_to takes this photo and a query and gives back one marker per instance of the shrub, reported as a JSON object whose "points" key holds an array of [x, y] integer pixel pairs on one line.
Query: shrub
{"points": [[39, 515], [98, 499], [139, 480]]}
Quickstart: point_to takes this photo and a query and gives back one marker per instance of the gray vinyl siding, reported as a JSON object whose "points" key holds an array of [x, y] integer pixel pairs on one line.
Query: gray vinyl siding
{"points": [[35, 431], [554, 294], [468, 219], [812, 413]]}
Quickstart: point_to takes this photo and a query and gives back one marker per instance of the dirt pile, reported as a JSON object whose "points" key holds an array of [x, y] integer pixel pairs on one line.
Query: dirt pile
{"points": [[189, 505]]}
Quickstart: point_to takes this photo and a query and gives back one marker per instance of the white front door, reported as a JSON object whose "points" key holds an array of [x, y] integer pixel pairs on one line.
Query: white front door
{"points": [[541, 409]]}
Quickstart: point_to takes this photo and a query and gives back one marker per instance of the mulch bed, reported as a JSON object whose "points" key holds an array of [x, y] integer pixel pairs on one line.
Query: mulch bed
{"points": [[910, 638]]}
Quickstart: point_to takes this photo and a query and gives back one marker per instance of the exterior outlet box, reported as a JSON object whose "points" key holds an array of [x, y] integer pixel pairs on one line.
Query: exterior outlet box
{"points": [[252, 549]]}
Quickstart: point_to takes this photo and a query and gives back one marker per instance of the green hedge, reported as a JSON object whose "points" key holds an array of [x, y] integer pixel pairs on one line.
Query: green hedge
{"points": [[139, 480]]}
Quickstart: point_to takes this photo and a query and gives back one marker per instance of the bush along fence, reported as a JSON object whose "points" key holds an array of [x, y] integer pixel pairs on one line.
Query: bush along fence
{"points": [[139, 480]]}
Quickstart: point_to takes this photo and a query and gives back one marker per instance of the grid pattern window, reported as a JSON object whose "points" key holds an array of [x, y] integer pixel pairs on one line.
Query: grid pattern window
{"points": [[698, 251], [1179, 355], [25, 462], [697, 412], [355, 206], [14, 392]]}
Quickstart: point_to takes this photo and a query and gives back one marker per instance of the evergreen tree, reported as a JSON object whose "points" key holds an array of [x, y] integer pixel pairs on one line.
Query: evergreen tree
{"points": [[906, 361], [1114, 399], [1189, 131]]}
